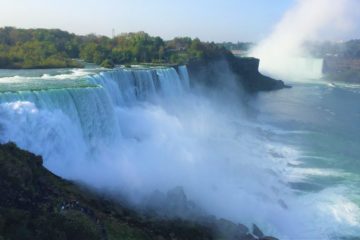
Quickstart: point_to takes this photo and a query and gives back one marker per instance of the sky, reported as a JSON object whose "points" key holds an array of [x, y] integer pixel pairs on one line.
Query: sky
{"points": [[209, 20]]}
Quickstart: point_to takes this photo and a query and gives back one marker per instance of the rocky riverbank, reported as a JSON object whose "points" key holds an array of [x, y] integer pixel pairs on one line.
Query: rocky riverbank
{"points": [[36, 204]]}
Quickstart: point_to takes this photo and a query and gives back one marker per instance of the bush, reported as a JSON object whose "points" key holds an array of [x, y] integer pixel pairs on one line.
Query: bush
{"points": [[107, 64]]}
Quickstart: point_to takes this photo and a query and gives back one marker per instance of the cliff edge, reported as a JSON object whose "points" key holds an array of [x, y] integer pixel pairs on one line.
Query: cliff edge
{"points": [[244, 70], [342, 69]]}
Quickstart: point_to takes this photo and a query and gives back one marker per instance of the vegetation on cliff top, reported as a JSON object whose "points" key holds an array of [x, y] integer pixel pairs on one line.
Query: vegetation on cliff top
{"points": [[54, 48], [44, 48]]}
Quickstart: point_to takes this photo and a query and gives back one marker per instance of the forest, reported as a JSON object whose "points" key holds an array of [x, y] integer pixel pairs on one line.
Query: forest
{"points": [[54, 48]]}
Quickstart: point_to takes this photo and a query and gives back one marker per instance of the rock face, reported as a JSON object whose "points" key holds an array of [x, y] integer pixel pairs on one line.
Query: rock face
{"points": [[244, 70], [173, 204], [257, 232], [36, 204], [342, 69]]}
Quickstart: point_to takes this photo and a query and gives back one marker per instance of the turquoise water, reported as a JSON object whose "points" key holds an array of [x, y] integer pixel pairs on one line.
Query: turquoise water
{"points": [[44, 79], [321, 121], [289, 161]]}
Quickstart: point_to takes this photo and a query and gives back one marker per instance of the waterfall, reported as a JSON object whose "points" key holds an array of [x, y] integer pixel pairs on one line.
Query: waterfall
{"points": [[137, 130], [44, 115], [127, 86], [292, 68], [134, 131]]}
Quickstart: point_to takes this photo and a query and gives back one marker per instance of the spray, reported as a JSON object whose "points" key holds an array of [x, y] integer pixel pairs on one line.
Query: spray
{"points": [[283, 54]]}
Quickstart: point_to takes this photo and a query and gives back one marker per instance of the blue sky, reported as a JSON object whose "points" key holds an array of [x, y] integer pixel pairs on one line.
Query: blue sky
{"points": [[210, 20]]}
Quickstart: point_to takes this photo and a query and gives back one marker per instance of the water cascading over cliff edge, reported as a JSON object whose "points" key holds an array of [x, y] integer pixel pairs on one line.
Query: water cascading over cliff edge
{"points": [[136, 131]]}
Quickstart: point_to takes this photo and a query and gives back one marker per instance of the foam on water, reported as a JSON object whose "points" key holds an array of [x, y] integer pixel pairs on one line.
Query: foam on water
{"points": [[37, 80]]}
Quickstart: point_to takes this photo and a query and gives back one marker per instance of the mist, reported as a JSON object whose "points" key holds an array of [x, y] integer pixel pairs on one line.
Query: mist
{"points": [[283, 54], [135, 145]]}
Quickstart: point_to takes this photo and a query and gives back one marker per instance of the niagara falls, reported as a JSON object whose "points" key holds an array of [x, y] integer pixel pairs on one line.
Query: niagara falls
{"points": [[235, 120]]}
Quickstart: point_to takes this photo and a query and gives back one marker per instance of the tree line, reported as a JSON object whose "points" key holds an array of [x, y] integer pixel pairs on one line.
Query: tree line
{"points": [[54, 48]]}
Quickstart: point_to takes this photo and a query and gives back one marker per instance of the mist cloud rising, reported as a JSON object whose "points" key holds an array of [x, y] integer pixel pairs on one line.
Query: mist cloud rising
{"points": [[282, 53]]}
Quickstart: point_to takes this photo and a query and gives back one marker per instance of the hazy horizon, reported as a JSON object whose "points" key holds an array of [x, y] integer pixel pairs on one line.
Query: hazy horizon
{"points": [[214, 20]]}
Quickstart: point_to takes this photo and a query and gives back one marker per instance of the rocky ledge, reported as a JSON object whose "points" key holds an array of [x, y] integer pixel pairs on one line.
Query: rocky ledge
{"points": [[245, 70], [36, 204]]}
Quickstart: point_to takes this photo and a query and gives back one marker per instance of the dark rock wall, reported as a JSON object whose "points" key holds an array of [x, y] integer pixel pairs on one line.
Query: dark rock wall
{"points": [[342, 69], [36, 204], [245, 71]]}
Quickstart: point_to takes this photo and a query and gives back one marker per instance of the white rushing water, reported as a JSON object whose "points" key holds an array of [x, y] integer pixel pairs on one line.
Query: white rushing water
{"points": [[297, 69], [136, 131]]}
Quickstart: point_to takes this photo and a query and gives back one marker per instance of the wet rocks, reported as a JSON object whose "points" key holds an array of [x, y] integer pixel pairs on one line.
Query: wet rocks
{"points": [[257, 232]]}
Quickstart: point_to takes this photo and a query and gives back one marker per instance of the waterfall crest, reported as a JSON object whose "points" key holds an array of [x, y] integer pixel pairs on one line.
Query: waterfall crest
{"points": [[84, 110]]}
